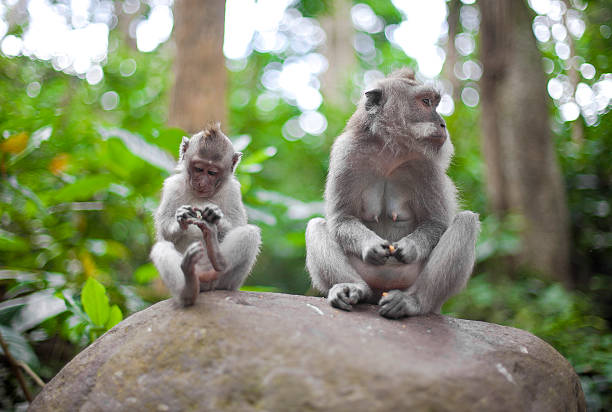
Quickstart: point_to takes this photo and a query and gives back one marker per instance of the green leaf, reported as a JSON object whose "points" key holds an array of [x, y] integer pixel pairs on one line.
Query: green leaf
{"points": [[145, 274], [19, 347], [82, 189], [95, 302], [114, 317], [9, 241]]}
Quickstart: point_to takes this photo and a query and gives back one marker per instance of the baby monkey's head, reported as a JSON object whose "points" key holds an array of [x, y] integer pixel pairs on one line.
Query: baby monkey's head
{"points": [[207, 159]]}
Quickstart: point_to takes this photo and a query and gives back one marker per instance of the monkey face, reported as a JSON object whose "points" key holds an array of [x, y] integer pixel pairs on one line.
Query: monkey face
{"points": [[205, 176], [403, 110]]}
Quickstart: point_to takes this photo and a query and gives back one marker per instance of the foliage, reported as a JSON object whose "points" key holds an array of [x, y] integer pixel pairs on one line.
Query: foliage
{"points": [[566, 320]]}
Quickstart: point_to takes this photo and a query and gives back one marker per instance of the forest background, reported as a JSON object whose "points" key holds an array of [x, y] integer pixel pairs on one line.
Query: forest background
{"points": [[95, 96]]}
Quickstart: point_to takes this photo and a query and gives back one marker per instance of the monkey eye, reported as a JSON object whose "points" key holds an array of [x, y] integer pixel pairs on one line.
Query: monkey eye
{"points": [[427, 101], [198, 169], [212, 172]]}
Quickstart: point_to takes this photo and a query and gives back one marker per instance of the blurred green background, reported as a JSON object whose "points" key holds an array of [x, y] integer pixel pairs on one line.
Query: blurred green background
{"points": [[85, 144]]}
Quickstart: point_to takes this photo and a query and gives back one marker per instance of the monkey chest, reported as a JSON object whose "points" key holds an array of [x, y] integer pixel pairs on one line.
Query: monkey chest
{"points": [[385, 199]]}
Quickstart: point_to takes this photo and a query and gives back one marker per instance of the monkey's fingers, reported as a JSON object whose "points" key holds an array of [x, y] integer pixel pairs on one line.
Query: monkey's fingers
{"points": [[392, 249]]}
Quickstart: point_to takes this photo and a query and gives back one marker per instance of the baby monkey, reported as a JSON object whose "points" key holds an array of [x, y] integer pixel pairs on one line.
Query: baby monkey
{"points": [[203, 239], [392, 234]]}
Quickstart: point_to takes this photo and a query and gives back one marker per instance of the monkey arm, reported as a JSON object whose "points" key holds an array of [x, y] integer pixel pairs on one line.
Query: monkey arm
{"points": [[418, 245], [353, 235]]}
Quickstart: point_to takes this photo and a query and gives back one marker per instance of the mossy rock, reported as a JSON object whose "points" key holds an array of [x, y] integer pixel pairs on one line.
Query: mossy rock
{"points": [[239, 351]]}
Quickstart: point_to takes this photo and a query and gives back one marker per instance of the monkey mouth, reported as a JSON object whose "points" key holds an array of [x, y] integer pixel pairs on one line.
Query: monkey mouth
{"points": [[204, 192], [437, 139]]}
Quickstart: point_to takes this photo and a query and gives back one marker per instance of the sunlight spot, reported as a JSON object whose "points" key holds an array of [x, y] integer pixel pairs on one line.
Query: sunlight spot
{"points": [[541, 32], [555, 88], [155, 30], [127, 67], [292, 130], [540, 6], [562, 50], [446, 106], [313, 122], [33, 89], [465, 43], [94, 75], [425, 21], [109, 100], [569, 111], [587, 70], [584, 94], [470, 96], [11, 45], [365, 19], [559, 31], [470, 18]]}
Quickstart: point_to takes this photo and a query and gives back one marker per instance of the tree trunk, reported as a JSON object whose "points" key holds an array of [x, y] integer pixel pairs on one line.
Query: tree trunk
{"points": [[339, 53], [200, 77], [521, 168], [451, 51]]}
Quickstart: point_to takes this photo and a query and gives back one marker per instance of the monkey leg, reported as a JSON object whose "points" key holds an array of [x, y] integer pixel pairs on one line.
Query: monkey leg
{"points": [[239, 251], [330, 270], [446, 272], [169, 262], [210, 233]]}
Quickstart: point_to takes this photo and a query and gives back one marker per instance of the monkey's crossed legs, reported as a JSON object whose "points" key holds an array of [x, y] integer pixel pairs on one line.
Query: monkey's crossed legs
{"points": [[208, 264], [445, 272]]}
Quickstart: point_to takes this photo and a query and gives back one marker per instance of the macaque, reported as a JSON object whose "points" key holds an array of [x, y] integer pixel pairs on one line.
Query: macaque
{"points": [[392, 234], [203, 239]]}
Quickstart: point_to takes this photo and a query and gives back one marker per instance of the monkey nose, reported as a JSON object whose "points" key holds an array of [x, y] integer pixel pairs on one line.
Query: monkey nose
{"points": [[443, 125]]}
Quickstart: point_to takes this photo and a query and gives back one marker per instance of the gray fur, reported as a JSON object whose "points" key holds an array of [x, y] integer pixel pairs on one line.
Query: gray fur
{"points": [[387, 185], [238, 242]]}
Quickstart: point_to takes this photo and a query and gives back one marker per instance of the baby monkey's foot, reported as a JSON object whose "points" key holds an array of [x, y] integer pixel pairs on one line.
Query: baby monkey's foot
{"points": [[344, 295], [397, 304], [193, 255]]}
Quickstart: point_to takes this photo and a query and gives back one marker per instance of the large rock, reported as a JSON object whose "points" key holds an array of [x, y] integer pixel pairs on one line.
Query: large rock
{"points": [[271, 352]]}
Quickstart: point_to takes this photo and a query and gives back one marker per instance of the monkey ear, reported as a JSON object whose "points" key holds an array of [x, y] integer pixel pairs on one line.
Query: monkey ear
{"points": [[235, 159], [373, 98], [183, 149]]}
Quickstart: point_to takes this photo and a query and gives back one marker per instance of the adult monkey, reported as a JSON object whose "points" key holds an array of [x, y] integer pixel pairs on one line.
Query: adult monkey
{"points": [[392, 234], [203, 239]]}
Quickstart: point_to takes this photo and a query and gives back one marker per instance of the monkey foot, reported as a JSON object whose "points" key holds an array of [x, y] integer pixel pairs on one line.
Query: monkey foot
{"points": [[397, 304], [344, 295]]}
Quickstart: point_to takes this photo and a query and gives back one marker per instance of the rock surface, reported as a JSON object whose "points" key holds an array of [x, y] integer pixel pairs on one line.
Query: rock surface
{"points": [[238, 351]]}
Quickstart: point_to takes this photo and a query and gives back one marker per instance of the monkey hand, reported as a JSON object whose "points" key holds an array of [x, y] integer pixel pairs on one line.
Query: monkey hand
{"points": [[376, 253], [343, 295], [186, 215], [405, 250], [397, 304], [212, 213]]}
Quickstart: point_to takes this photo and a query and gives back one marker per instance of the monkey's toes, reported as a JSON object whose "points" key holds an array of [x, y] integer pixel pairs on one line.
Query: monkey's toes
{"points": [[192, 255], [396, 304], [342, 297]]}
